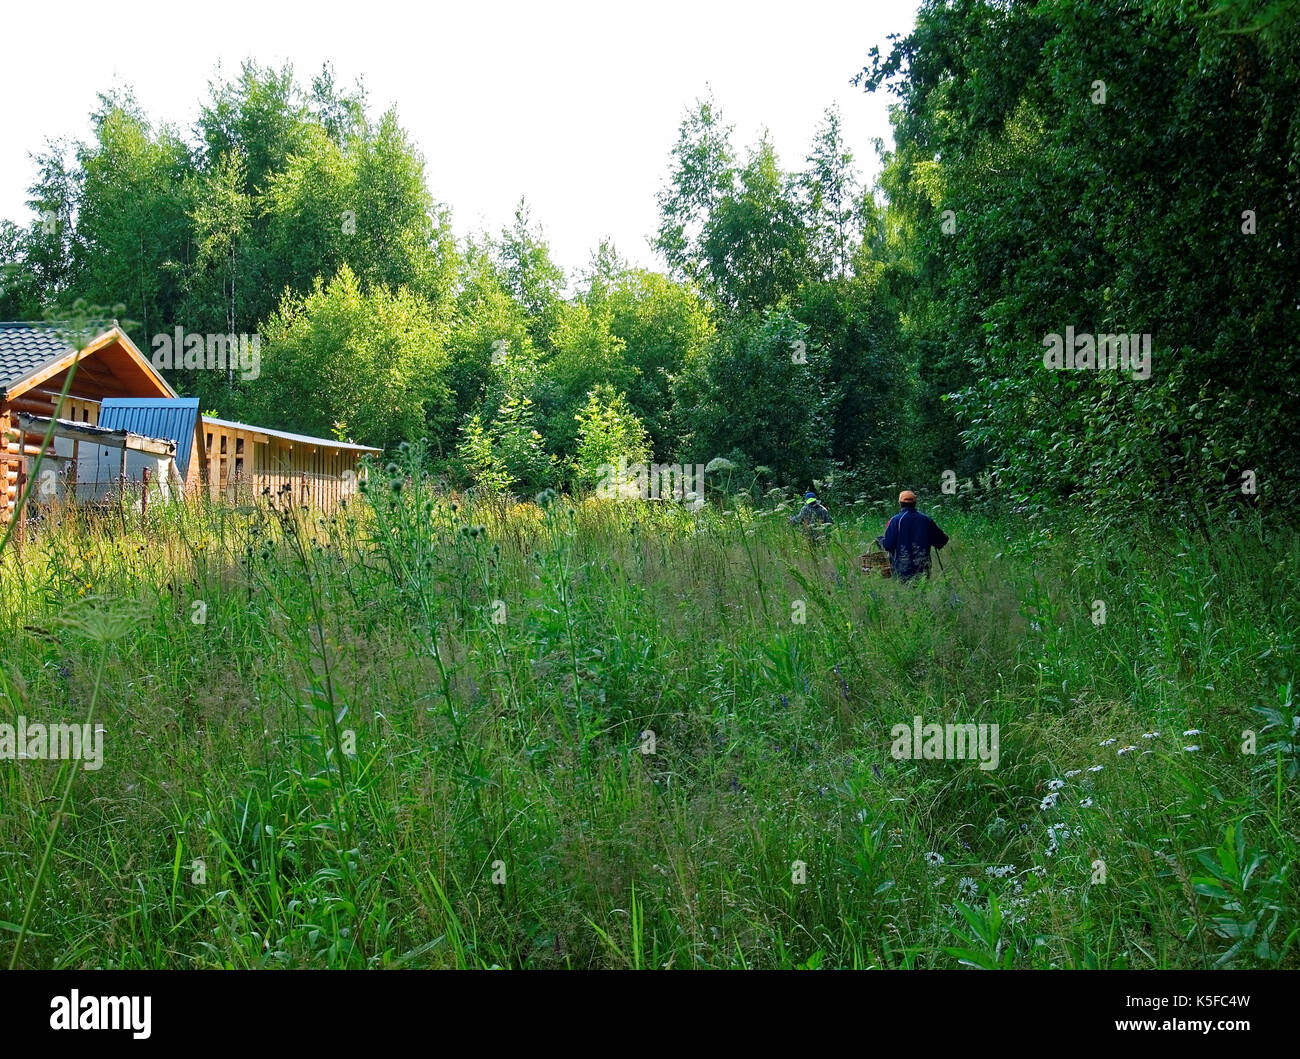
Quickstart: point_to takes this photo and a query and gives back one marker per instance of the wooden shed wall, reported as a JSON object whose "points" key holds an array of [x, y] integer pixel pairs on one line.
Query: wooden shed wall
{"points": [[244, 463]]}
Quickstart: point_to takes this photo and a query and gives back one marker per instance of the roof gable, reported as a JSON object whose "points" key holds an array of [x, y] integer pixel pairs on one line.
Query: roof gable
{"points": [[31, 353]]}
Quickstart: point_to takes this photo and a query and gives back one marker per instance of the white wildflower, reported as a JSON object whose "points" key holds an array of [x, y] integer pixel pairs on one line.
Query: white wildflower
{"points": [[1055, 785], [1108, 742], [934, 859]]}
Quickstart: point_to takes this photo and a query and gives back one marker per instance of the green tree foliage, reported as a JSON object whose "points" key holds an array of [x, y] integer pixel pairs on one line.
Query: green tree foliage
{"points": [[490, 346], [831, 191], [373, 361], [608, 431], [221, 214], [854, 324], [738, 231], [364, 202], [38, 267], [1099, 160], [585, 354], [133, 225], [529, 274], [507, 454], [663, 325], [703, 172], [755, 243], [755, 397]]}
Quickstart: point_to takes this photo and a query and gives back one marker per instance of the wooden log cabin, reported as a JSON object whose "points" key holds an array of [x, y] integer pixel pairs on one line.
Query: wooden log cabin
{"points": [[113, 379]]}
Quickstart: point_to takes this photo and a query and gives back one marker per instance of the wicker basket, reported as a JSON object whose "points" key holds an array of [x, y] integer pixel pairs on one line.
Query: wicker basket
{"points": [[875, 561]]}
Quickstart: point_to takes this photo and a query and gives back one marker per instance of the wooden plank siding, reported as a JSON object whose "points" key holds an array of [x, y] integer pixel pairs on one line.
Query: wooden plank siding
{"points": [[245, 462]]}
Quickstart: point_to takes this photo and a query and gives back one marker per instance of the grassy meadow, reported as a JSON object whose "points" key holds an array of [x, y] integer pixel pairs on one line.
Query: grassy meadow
{"points": [[429, 733]]}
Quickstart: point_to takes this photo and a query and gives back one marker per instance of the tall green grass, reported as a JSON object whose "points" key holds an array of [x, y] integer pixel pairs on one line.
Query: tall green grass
{"points": [[415, 734]]}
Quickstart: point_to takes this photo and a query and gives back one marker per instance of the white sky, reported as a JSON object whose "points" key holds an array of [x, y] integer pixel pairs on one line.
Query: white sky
{"points": [[573, 104]]}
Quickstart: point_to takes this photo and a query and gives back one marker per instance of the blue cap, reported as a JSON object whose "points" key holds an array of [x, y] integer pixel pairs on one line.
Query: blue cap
{"points": [[810, 496]]}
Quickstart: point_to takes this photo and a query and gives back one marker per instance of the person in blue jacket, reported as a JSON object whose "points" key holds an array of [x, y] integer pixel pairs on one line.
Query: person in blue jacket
{"points": [[908, 538]]}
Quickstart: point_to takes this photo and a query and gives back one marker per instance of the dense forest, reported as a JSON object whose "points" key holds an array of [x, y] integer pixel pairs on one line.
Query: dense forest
{"points": [[1111, 167]]}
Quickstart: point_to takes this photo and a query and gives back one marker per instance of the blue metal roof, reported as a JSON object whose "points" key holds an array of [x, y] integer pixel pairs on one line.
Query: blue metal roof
{"points": [[174, 419]]}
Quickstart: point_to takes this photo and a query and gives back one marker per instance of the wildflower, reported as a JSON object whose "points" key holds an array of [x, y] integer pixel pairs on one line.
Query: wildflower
{"points": [[1191, 749], [1048, 803], [1086, 803], [1055, 785], [934, 859], [1193, 731], [1150, 735], [1072, 773], [1096, 768], [1108, 742], [940, 881], [1125, 750], [999, 871], [968, 887]]}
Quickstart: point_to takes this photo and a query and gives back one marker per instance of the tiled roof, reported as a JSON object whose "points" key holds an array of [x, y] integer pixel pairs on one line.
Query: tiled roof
{"points": [[25, 348]]}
